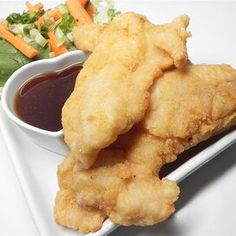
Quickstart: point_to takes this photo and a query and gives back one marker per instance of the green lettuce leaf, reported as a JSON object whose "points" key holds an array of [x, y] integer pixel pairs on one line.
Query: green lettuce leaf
{"points": [[10, 60]]}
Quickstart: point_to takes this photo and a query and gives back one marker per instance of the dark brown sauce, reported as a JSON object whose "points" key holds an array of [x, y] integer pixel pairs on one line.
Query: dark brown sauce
{"points": [[39, 101]]}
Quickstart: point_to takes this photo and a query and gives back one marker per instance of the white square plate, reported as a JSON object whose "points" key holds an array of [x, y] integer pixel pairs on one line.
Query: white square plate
{"points": [[212, 25]]}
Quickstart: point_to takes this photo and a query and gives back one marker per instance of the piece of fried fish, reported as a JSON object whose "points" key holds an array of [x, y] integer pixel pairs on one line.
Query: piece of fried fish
{"points": [[112, 90], [187, 106]]}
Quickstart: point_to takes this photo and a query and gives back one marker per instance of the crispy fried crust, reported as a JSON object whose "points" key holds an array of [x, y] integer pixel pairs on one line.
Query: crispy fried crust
{"points": [[112, 90], [193, 102], [67, 211], [187, 106], [86, 36]]}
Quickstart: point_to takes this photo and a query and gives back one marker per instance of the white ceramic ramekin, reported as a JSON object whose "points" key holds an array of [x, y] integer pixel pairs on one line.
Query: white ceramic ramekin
{"points": [[52, 141]]}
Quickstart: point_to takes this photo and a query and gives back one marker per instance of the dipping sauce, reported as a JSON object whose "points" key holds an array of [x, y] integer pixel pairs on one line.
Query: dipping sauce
{"points": [[40, 100]]}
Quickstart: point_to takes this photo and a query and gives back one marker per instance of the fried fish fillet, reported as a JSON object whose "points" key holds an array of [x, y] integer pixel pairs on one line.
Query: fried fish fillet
{"points": [[112, 90], [196, 101], [86, 36], [187, 106], [123, 182], [67, 211]]}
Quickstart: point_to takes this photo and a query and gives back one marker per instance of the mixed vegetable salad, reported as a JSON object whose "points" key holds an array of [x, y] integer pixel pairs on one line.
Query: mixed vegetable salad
{"points": [[38, 33]]}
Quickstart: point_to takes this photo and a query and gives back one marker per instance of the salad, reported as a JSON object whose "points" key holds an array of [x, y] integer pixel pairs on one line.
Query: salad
{"points": [[39, 34]]}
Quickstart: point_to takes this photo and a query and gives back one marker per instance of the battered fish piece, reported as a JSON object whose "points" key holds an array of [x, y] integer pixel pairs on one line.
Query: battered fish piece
{"points": [[67, 211], [187, 106], [125, 186], [193, 102], [86, 36], [112, 90]]}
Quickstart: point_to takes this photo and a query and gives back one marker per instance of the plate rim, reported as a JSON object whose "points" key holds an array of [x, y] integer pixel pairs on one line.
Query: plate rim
{"points": [[223, 143]]}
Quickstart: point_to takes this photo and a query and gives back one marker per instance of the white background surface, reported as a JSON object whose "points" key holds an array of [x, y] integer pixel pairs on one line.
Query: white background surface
{"points": [[207, 204]]}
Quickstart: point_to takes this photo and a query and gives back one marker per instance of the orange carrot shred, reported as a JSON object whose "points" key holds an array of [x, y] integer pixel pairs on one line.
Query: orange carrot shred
{"points": [[28, 5], [58, 50], [55, 14], [91, 10], [83, 2], [17, 42], [78, 12], [4, 25], [34, 8], [40, 21], [37, 7]]}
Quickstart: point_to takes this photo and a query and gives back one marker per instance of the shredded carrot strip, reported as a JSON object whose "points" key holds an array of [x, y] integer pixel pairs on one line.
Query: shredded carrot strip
{"points": [[37, 7], [78, 12], [34, 8], [55, 14], [40, 21], [4, 25], [91, 10], [17, 42], [53, 43], [83, 2], [28, 5]]}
